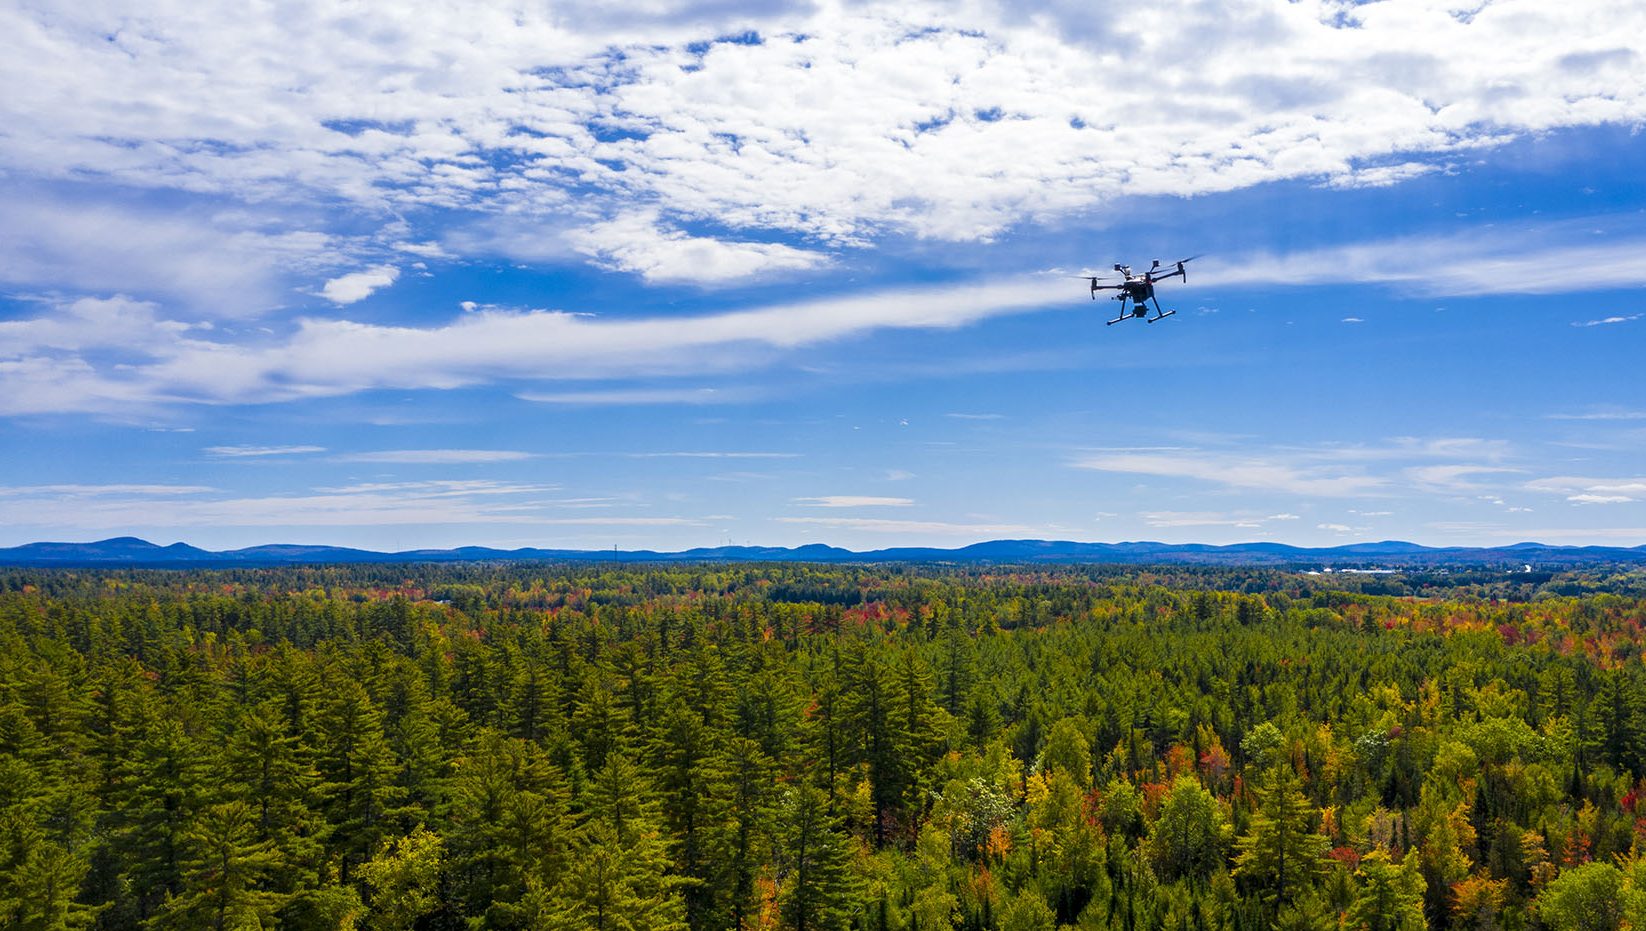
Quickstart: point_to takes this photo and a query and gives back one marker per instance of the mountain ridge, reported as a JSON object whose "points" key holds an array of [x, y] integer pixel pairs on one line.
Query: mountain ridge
{"points": [[131, 551]]}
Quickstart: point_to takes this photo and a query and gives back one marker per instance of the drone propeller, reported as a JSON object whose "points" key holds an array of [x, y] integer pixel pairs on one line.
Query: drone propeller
{"points": [[1176, 268]]}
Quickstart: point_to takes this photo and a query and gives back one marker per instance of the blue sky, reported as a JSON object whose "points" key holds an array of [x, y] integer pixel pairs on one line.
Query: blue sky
{"points": [[399, 276]]}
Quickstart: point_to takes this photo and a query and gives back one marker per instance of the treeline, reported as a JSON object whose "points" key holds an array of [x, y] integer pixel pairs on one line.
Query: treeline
{"points": [[814, 748]]}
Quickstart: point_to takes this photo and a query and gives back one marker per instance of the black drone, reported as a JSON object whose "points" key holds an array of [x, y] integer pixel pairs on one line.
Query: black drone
{"points": [[1139, 290]]}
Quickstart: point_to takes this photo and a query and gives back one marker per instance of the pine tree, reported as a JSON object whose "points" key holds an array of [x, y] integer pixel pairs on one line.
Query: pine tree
{"points": [[618, 877], [750, 773], [693, 787], [1390, 897], [39, 879], [269, 769], [1280, 855], [508, 825], [875, 720], [161, 792], [816, 880], [225, 868], [361, 774]]}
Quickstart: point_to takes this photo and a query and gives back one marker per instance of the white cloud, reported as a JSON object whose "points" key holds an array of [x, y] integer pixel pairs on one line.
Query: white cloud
{"points": [[1588, 490], [1451, 477], [637, 242], [712, 454], [124, 507], [217, 263], [1612, 414], [1549, 259], [244, 452], [100, 491], [1608, 321], [357, 286], [1335, 528], [1249, 520], [1395, 466], [853, 501], [333, 357], [1241, 471], [435, 456], [842, 121], [883, 525], [1353, 320], [637, 396], [92, 324]]}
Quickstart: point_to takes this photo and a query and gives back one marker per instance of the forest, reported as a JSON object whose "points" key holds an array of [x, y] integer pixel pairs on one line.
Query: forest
{"points": [[660, 748]]}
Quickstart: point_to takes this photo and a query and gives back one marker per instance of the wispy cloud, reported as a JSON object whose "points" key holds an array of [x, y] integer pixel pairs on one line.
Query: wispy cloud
{"points": [[854, 501], [1553, 259], [435, 456], [1250, 520], [1608, 321], [252, 452], [712, 454], [885, 525], [441, 502], [1395, 466], [638, 396], [1608, 414], [965, 416], [45, 370], [1589, 490], [102, 491], [1241, 471]]}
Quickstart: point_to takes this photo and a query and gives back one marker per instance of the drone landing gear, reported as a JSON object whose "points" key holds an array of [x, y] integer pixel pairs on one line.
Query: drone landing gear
{"points": [[1140, 311]]}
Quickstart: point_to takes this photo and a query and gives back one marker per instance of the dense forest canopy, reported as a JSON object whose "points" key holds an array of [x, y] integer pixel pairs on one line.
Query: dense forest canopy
{"points": [[817, 748]]}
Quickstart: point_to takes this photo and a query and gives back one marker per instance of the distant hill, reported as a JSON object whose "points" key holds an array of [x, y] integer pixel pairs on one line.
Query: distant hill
{"points": [[131, 551]]}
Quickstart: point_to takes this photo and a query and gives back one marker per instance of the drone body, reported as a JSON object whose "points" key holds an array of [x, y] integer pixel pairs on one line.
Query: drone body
{"points": [[1138, 290]]}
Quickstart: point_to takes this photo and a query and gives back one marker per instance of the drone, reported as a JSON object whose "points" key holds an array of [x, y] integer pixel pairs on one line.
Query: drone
{"points": [[1138, 289]]}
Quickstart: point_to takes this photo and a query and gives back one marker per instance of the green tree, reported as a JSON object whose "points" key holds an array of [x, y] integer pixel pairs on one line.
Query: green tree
{"points": [[695, 793], [1390, 897], [1067, 749], [225, 867], [813, 869], [403, 879], [1280, 855], [160, 794], [1585, 898], [1189, 838]]}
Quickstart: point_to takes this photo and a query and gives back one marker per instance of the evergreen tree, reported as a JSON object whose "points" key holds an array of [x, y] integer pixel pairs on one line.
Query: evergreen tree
{"points": [[161, 792], [1280, 855], [225, 868], [695, 793], [1390, 897], [816, 882]]}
